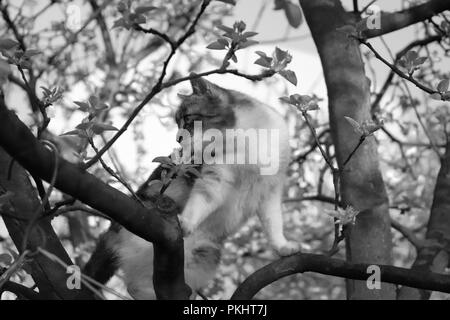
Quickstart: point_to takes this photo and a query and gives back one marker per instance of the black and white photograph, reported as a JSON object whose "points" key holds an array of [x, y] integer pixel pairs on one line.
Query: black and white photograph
{"points": [[226, 154]]}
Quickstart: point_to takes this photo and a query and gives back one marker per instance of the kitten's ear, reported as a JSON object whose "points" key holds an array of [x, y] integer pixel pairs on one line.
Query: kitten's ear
{"points": [[202, 86]]}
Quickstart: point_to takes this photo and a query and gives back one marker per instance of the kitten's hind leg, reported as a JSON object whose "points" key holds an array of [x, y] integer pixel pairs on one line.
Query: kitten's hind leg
{"points": [[270, 214]]}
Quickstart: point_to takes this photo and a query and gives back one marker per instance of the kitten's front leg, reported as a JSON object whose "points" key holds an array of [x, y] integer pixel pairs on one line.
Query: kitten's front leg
{"points": [[270, 214], [208, 194]]}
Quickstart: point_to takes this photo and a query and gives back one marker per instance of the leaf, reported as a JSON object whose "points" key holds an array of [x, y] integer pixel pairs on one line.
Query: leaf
{"points": [[289, 76], [411, 55], [71, 133], [99, 128], [293, 14], [163, 160], [249, 34], [225, 28], [279, 54], [84, 125], [356, 126], [239, 26], [286, 100], [446, 96], [120, 23], [443, 85], [144, 9], [31, 52], [279, 4], [47, 91], [263, 62], [216, 45], [140, 19], [25, 64], [420, 60], [223, 41], [83, 106], [93, 101], [8, 44]]}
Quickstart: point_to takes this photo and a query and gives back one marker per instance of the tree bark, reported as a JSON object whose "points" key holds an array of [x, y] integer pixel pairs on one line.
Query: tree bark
{"points": [[362, 186]]}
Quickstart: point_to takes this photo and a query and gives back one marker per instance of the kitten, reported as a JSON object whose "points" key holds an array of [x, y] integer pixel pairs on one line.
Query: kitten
{"points": [[218, 202]]}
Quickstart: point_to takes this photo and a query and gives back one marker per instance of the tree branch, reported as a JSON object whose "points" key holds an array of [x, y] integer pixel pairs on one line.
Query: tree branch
{"points": [[306, 262], [398, 20], [158, 223]]}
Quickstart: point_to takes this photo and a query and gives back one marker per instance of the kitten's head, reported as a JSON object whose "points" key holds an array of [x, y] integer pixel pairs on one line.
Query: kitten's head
{"points": [[208, 103]]}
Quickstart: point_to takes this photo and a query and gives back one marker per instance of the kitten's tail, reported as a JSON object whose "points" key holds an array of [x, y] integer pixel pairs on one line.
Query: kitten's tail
{"points": [[104, 262]]}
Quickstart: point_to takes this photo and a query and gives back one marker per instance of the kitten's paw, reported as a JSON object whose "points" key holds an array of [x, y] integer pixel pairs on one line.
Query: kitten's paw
{"points": [[186, 226], [287, 248]]}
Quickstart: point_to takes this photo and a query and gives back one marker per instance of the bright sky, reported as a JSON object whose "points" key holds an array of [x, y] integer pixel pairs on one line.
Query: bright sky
{"points": [[272, 26]]}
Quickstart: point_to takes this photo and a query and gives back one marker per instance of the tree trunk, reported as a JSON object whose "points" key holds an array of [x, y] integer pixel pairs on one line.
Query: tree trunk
{"points": [[362, 186]]}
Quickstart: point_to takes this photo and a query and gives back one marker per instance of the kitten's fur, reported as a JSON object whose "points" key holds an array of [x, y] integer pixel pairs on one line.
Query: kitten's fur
{"points": [[217, 204]]}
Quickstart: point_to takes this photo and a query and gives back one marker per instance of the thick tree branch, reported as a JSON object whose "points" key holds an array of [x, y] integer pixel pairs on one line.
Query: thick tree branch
{"points": [[50, 278], [148, 223], [398, 20], [306, 262]]}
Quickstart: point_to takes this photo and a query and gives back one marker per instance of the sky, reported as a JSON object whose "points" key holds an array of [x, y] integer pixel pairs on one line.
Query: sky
{"points": [[273, 30]]}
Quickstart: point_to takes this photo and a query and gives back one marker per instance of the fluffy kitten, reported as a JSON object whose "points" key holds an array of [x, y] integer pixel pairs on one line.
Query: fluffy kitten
{"points": [[218, 203]]}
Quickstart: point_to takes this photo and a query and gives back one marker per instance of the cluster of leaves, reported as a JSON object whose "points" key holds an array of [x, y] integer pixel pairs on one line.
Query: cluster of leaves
{"points": [[444, 28], [51, 96], [443, 92], [233, 39], [366, 128], [132, 17], [10, 50], [91, 125], [303, 103], [14, 55], [277, 63], [411, 61], [173, 167], [343, 216]]}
